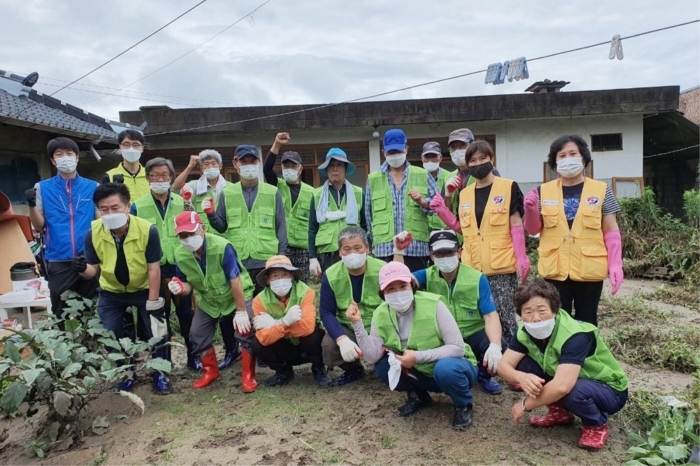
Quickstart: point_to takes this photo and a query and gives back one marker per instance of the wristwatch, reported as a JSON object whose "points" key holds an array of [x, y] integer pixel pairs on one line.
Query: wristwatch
{"points": [[522, 404]]}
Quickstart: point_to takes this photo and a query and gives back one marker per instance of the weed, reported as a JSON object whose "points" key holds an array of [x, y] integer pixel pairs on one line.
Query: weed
{"points": [[98, 460], [617, 311], [641, 410], [176, 408], [686, 296], [36, 449], [387, 442], [667, 442]]}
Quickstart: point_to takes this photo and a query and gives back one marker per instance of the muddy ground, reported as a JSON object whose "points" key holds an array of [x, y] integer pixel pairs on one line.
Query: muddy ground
{"points": [[302, 424]]}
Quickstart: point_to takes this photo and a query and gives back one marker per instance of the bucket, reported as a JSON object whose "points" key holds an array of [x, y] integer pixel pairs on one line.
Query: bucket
{"points": [[21, 274]]}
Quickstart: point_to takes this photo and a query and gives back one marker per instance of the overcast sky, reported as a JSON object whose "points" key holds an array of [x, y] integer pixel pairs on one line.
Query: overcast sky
{"points": [[305, 52]]}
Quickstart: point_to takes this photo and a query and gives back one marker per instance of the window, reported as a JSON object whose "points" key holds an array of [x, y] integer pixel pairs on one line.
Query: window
{"points": [[549, 174], [415, 148], [20, 174], [606, 142]]}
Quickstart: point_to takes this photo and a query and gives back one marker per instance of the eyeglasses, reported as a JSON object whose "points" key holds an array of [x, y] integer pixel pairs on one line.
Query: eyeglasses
{"points": [[131, 145], [154, 177]]}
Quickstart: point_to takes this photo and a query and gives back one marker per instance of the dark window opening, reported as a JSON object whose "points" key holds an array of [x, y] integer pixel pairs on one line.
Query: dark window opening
{"points": [[606, 142]]}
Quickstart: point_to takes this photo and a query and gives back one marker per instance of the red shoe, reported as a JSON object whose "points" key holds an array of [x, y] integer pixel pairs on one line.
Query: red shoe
{"points": [[248, 383], [210, 369], [556, 416], [593, 437]]}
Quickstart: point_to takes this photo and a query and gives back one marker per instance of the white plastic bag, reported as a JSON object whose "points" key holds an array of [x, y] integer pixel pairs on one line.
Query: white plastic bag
{"points": [[394, 371]]}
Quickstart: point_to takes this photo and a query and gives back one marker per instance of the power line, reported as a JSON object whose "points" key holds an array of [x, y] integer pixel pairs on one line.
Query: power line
{"points": [[125, 96], [671, 152], [381, 94], [249, 15]]}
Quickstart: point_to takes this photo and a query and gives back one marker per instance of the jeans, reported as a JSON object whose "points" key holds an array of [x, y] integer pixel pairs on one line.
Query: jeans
{"points": [[282, 354]]}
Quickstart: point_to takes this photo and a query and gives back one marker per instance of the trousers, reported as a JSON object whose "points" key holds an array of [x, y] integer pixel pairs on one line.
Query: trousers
{"points": [[479, 343], [580, 299], [204, 327], [331, 351], [62, 278], [282, 355]]}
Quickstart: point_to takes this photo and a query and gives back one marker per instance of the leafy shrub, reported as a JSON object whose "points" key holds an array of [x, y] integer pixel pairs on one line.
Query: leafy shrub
{"points": [[691, 207], [668, 442]]}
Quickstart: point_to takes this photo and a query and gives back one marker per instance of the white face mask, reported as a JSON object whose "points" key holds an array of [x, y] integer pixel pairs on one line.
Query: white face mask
{"points": [[570, 167], [249, 172], [281, 286], [160, 187], [114, 221], [355, 261], [212, 173], [290, 174], [396, 160], [446, 264], [400, 301], [540, 330], [431, 166], [66, 164], [192, 243], [131, 154], [458, 157]]}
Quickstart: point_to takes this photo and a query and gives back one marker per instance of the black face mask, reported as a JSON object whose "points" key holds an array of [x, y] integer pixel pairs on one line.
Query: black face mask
{"points": [[481, 171]]}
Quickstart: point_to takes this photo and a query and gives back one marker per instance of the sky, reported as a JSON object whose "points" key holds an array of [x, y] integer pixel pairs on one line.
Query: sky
{"points": [[314, 52]]}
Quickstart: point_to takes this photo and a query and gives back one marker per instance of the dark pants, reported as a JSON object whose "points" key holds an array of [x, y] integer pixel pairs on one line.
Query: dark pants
{"points": [[331, 352], [204, 327], [452, 376], [62, 278], [479, 343], [583, 297], [300, 259], [326, 259], [282, 354], [590, 400], [183, 310], [253, 276], [414, 263]]}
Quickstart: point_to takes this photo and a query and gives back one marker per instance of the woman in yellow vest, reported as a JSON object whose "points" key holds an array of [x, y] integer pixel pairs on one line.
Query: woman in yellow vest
{"points": [[490, 220], [130, 172], [563, 364], [416, 345], [580, 242]]}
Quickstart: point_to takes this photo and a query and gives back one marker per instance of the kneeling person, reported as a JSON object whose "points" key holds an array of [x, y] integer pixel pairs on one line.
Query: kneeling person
{"points": [[287, 330]]}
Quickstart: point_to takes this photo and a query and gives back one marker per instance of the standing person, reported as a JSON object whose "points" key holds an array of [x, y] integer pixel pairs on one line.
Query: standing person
{"points": [[490, 220], [207, 265], [130, 171], [125, 251], [287, 330], [580, 242], [297, 197], [352, 281], [416, 329], [397, 198], [250, 214], [62, 208], [160, 208], [457, 143], [332, 210], [562, 363], [431, 158]]}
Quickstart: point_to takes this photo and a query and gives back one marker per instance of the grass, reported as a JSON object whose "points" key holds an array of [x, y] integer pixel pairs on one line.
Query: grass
{"points": [[387, 442], [614, 312], [641, 411], [677, 295]]}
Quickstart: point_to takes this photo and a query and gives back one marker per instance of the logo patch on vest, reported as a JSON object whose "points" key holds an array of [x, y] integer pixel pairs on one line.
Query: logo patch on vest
{"points": [[471, 313], [550, 202], [465, 206], [592, 200], [498, 200]]}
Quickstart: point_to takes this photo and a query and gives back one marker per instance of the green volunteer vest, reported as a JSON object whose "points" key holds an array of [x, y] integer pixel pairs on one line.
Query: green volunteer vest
{"points": [[138, 185], [135, 243], [425, 333], [462, 300], [328, 231], [339, 280], [434, 221], [601, 366], [254, 233], [272, 304], [297, 215], [415, 221], [146, 208], [212, 290], [197, 204]]}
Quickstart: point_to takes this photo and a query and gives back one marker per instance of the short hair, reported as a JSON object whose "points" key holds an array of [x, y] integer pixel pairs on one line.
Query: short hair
{"points": [[61, 143], [106, 190], [536, 288], [131, 134], [479, 146], [208, 154], [559, 144], [160, 162], [351, 233]]}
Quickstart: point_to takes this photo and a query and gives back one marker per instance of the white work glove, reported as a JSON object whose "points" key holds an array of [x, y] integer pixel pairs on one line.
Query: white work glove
{"points": [[315, 268], [292, 316], [241, 322], [492, 357], [263, 321], [349, 349], [402, 241], [176, 286], [156, 314]]}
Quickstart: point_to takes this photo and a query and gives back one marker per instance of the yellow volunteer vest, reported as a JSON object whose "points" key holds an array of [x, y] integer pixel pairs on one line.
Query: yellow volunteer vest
{"points": [[138, 185]]}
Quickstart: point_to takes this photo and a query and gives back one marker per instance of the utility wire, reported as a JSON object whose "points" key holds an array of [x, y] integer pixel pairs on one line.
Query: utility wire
{"points": [[415, 86], [126, 96], [671, 152]]}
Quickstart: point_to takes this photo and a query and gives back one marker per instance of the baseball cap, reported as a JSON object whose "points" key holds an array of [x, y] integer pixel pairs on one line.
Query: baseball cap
{"points": [[338, 154], [187, 222], [244, 150], [291, 156], [431, 147], [443, 240], [393, 272], [462, 134], [395, 139], [277, 262]]}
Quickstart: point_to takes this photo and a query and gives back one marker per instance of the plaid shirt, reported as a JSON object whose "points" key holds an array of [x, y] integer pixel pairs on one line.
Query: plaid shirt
{"points": [[417, 248]]}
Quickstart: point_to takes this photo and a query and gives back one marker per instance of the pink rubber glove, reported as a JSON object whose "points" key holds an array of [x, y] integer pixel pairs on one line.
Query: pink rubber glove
{"points": [[532, 221], [518, 236], [613, 243], [438, 206]]}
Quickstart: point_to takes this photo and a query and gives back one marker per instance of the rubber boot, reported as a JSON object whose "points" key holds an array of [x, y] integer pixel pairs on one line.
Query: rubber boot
{"points": [[556, 416], [248, 383], [210, 368]]}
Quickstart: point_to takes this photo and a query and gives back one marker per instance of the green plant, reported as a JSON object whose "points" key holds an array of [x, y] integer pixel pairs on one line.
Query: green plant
{"points": [[617, 311], [678, 295], [387, 442], [642, 409], [668, 441], [691, 207], [36, 449]]}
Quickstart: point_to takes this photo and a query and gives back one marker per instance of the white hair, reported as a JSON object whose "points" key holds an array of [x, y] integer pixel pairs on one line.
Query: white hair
{"points": [[208, 154]]}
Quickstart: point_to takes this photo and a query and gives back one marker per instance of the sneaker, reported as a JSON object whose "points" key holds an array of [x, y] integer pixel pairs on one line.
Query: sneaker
{"points": [[593, 437], [349, 376], [127, 384], [414, 403], [280, 378], [490, 385], [463, 417], [556, 416], [321, 377]]}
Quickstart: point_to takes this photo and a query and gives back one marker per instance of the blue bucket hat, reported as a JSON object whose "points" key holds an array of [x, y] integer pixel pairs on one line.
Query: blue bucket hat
{"points": [[337, 154]]}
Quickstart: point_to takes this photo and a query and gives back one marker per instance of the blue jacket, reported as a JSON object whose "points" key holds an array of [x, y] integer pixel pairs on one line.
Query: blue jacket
{"points": [[68, 211]]}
